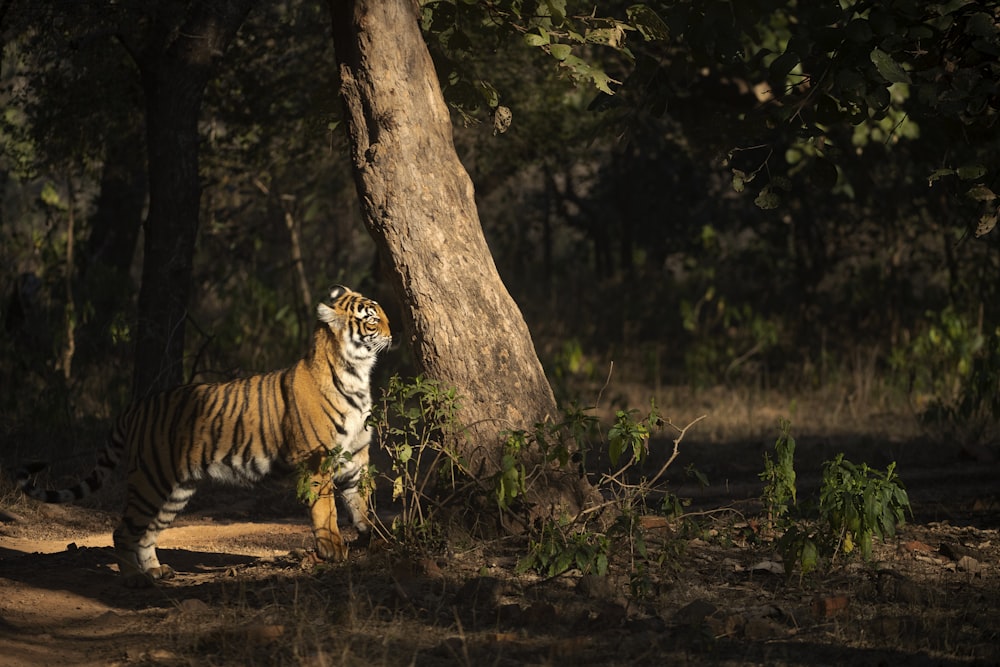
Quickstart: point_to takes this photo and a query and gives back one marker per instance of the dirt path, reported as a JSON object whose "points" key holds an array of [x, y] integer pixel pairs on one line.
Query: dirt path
{"points": [[62, 601]]}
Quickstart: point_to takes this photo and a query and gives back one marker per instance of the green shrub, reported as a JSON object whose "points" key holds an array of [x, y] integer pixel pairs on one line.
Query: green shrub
{"points": [[856, 504]]}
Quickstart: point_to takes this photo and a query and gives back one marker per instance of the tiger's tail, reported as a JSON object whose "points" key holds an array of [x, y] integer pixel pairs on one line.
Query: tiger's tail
{"points": [[107, 461]]}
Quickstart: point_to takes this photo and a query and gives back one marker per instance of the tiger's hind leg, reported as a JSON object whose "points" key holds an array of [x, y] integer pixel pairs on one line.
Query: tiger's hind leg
{"points": [[136, 535]]}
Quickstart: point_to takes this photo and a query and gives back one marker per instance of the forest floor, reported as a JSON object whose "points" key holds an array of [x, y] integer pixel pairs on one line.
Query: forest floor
{"points": [[248, 592]]}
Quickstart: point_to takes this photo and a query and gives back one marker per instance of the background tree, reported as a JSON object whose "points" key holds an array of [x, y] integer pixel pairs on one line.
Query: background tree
{"points": [[176, 57]]}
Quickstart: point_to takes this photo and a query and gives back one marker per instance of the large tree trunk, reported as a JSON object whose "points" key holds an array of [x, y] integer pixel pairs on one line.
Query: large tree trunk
{"points": [[418, 204], [177, 63]]}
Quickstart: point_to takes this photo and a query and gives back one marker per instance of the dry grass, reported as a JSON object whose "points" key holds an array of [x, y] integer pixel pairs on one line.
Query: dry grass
{"points": [[860, 401]]}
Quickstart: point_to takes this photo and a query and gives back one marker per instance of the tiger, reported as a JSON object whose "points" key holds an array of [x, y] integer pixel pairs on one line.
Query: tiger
{"points": [[309, 414]]}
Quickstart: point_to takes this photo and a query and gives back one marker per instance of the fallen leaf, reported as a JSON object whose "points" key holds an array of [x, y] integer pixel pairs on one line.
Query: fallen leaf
{"points": [[970, 565], [832, 605], [916, 545], [768, 566]]}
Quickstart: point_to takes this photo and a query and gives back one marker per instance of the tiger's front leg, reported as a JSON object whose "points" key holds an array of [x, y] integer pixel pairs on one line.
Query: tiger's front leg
{"points": [[323, 510]]}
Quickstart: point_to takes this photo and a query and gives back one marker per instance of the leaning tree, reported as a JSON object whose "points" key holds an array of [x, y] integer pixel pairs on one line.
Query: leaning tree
{"points": [[418, 203]]}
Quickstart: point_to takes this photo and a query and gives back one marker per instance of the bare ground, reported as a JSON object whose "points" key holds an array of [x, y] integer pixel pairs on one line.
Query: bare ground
{"points": [[248, 592]]}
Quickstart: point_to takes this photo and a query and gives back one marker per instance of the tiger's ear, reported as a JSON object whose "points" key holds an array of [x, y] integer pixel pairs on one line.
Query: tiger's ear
{"points": [[325, 311], [337, 291], [327, 314]]}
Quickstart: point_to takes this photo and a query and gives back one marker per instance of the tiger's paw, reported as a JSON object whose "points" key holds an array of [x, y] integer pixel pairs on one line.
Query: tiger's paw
{"points": [[363, 539], [148, 578], [331, 550]]}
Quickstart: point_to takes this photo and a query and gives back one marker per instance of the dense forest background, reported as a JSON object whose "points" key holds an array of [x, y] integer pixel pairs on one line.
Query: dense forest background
{"points": [[769, 200]]}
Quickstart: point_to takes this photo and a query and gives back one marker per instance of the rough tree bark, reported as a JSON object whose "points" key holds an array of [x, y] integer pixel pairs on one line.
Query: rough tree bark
{"points": [[418, 204], [176, 61]]}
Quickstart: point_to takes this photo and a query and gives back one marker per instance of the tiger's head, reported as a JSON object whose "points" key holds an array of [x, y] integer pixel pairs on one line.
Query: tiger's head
{"points": [[360, 322]]}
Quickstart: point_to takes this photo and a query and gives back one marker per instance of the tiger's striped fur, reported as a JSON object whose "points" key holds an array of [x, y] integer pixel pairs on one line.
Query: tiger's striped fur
{"points": [[239, 431]]}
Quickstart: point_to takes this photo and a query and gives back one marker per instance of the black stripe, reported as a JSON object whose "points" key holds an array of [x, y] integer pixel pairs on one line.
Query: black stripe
{"points": [[340, 388]]}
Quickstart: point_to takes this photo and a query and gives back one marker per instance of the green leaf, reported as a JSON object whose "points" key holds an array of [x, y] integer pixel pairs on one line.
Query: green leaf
{"points": [[980, 192], [557, 11], [615, 447], [739, 180], [562, 562], [939, 174], [536, 39], [581, 70], [828, 110], [50, 197], [783, 64], [850, 83], [560, 51], [489, 93], [971, 172], [602, 564], [889, 69], [640, 547], [767, 199], [809, 557], [648, 23], [602, 81], [878, 98]]}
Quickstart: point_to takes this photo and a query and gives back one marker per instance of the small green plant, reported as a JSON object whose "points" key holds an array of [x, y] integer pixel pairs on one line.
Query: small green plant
{"points": [[629, 434], [628, 532], [798, 545], [416, 422], [671, 505], [779, 476], [563, 545], [558, 549], [570, 439], [859, 502], [510, 481], [856, 503], [554, 443]]}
